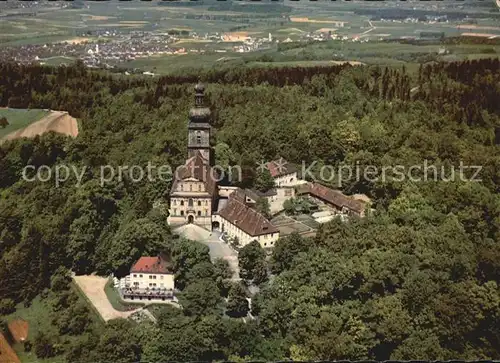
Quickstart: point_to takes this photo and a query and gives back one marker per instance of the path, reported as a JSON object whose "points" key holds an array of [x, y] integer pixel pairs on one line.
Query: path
{"points": [[93, 288]]}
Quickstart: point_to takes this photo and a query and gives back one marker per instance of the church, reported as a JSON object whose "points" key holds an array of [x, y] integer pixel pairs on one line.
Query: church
{"points": [[196, 198]]}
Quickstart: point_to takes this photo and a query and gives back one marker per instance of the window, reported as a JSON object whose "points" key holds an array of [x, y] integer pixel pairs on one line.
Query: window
{"points": [[150, 277], [206, 202], [199, 203], [175, 212], [182, 202], [199, 213], [154, 277], [190, 202], [161, 277], [198, 137], [190, 187], [140, 275], [182, 187], [182, 212], [135, 275], [199, 187]]}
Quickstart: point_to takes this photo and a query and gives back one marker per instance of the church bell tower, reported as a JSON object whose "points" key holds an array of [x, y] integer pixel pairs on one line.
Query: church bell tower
{"points": [[199, 126]]}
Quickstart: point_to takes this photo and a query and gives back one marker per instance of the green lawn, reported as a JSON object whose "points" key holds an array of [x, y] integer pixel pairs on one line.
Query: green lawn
{"points": [[19, 118], [38, 315], [115, 299]]}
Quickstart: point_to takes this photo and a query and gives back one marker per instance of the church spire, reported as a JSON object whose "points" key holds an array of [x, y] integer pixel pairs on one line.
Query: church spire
{"points": [[199, 91]]}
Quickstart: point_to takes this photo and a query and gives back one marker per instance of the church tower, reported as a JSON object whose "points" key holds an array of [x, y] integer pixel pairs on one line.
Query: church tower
{"points": [[199, 126]]}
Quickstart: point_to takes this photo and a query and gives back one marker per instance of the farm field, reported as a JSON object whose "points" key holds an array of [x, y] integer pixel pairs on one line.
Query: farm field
{"points": [[393, 54], [25, 126], [19, 118]]}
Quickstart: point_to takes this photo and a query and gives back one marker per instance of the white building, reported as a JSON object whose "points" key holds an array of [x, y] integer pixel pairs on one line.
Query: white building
{"points": [[238, 219], [283, 173], [149, 278]]}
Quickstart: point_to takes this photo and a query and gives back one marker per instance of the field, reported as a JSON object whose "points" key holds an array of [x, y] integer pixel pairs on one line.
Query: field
{"points": [[78, 24], [56, 121], [19, 118], [7, 354], [19, 329]]}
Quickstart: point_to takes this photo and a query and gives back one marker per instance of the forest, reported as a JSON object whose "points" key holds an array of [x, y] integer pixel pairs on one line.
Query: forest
{"points": [[416, 279]]}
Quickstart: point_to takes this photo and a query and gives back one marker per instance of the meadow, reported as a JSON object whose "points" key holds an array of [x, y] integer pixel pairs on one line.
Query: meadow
{"points": [[19, 118]]}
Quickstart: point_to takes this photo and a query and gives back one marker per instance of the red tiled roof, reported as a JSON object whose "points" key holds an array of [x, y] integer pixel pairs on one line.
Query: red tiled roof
{"points": [[198, 168], [152, 265], [331, 196], [280, 167], [245, 218]]}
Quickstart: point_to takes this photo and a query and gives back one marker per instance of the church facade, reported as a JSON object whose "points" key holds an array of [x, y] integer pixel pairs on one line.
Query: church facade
{"points": [[195, 198], [194, 190]]}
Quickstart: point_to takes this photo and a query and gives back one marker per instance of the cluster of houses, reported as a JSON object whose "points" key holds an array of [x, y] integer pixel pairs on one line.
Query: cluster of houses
{"points": [[196, 198]]}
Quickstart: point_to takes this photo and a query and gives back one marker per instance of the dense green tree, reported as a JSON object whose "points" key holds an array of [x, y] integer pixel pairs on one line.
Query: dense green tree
{"points": [[251, 260], [263, 181], [200, 298], [237, 304], [3, 122]]}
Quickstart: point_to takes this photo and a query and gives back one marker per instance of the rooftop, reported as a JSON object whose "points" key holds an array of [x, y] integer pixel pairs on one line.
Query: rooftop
{"points": [[280, 167], [153, 265], [244, 217], [332, 196]]}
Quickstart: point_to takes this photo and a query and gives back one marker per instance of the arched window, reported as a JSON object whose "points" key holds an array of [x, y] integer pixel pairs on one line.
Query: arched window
{"points": [[190, 202], [199, 213], [182, 202], [199, 203]]}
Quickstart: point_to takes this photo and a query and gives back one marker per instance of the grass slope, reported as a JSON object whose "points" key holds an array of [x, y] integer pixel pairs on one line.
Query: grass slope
{"points": [[19, 118], [38, 315]]}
